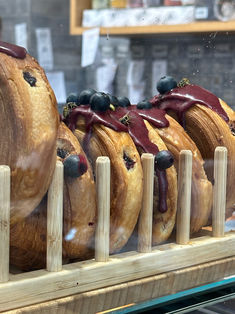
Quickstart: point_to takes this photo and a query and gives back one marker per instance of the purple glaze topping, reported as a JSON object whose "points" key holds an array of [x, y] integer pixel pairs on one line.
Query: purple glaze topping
{"points": [[135, 127], [13, 50], [180, 99]]}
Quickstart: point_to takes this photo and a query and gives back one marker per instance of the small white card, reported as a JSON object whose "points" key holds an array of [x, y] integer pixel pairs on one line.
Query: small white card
{"points": [[44, 48], [159, 69], [57, 82], [135, 72], [105, 75], [90, 42], [21, 37], [136, 93]]}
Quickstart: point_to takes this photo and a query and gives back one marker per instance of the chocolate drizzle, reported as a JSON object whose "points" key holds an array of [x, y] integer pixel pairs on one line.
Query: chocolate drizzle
{"points": [[181, 99], [135, 127], [13, 50]]}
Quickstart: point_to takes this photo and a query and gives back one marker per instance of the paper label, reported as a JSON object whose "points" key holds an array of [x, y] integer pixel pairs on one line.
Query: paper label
{"points": [[159, 70], [57, 82], [90, 42], [44, 48], [105, 76], [135, 72], [21, 36]]}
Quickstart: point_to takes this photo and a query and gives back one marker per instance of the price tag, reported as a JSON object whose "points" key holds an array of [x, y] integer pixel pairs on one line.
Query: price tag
{"points": [[90, 42], [21, 38], [44, 48]]}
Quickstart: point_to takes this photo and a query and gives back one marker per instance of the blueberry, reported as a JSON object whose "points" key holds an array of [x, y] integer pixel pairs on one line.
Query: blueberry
{"points": [[100, 102], [75, 166], [164, 159], [113, 100], [165, 84], [123, 101], [85, 96], [72, 98], [144, 104]]}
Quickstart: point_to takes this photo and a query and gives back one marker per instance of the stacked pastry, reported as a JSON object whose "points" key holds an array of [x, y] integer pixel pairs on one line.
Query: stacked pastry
{"points": [[102, 125]]}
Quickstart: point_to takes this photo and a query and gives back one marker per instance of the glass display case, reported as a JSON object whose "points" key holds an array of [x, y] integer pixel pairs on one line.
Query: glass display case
{"points": [[117, 167]]}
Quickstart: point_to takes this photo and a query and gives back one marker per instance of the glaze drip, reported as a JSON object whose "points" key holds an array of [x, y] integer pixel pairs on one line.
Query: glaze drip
{"points": [[181, 99], [135, 127], [13, 50]]}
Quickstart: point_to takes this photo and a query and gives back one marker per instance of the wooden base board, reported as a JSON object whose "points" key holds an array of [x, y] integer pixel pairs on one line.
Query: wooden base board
{"points": [[40, 286], [135, 291]]}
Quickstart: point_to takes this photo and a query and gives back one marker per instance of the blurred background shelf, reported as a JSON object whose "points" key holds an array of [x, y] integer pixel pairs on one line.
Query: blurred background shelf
{"points": [[77, 7]]}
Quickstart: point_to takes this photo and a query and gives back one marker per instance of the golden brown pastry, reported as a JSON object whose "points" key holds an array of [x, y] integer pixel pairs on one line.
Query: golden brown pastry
{"points": [[109, 133], [28, 238], [208, 121], [29, 123], [101, 135], [176, 139]]}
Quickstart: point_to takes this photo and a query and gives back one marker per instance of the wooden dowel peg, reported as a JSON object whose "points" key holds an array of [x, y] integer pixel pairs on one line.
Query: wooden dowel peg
{"points": [[219, 191], [146, 213], [103, 204], [184, 197], [4, 222], [55, 220]]}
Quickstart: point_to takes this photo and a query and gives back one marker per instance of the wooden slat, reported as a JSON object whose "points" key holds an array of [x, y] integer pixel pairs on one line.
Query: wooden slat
{"points": [[4, 222], [180, 280], [194, 28], [55, 220], [146, 213], [39, 286], [103, 203], [219, 192], [184, 197]]}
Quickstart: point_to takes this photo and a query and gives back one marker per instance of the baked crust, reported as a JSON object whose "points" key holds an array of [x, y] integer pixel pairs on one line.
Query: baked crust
{"points": [[126, 185], [29, 123], [176, 139], [163, 223], [208, 130], [79, 215]]}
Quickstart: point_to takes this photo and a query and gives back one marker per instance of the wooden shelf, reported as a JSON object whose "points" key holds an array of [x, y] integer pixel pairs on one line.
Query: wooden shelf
{"points": [[77, 7]]}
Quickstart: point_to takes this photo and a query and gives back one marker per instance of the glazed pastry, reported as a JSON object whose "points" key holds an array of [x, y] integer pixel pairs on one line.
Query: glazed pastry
{"points": [[79, 212], [29, 123], [176, 139], [209, 122], [147, 140], [101, 135], [101, 131]]}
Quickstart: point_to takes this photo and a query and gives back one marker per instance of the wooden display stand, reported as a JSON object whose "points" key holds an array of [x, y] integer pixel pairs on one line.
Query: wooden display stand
{"points": [[77, 7], [131, 277]]}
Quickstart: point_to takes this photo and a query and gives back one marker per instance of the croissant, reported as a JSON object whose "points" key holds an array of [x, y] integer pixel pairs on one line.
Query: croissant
{"points": [[209, 121], [29, 123], [28, 238], [126, 175]]}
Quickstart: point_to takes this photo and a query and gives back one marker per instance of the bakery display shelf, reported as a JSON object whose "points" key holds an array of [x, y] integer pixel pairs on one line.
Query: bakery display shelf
{"points": [[128, 277], [77, 7]]}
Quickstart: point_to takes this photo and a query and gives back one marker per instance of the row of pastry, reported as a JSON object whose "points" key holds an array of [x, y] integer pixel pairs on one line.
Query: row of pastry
{"points": [[33, 136]]}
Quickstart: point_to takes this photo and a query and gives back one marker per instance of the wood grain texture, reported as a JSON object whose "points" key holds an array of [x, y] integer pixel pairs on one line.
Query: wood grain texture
{"points": [[55, 220], [40, 286], [146, 213], [4, 222], [219, 195], [103, 198], [123, 294], [184, 197]]}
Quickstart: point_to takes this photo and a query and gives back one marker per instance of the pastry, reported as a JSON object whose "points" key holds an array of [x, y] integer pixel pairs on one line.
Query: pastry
{"points": [[105, 131], [29, 123], [79, 212], [101, 135], [176, 139], [208, 120]]}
